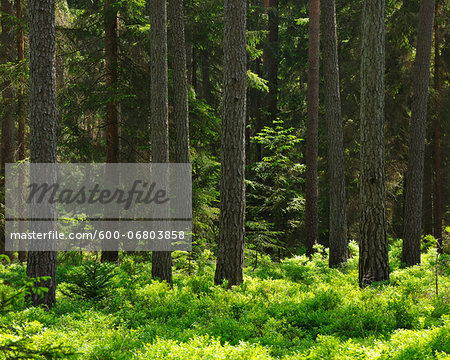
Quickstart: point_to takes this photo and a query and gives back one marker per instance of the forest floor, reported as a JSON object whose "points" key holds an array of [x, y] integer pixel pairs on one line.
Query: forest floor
{"points": [[296, 309]]}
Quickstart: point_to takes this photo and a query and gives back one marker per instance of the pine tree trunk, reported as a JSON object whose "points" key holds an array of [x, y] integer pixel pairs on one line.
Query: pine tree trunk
{"points": [[338, 224], [43, 127], [271, 60], [373, 251], [312, 124], [230, 253], [427, 207], [21, 116], [412, 229], [7, 102], [159, 122], [437, 130], [112, 110], [180, 94]]}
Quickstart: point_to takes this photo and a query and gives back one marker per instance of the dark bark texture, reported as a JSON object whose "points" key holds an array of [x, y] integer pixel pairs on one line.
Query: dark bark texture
{"points": [[338, 224], [159, 121], [7, 55], [180, 94], [412, 229], [312, 124], [43, 125], [373, 251], [112, 107], [437, 130], [21, 116], [230, 255]]}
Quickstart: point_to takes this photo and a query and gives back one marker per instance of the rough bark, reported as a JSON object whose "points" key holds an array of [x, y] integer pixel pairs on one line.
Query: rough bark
{"points": [[412, 228], [112, 107], [21, 116], [180, 94], [7, 94], [437, 130], [338, 224], [43, 125], [271, 60], [373, 251], [312, 124], [159, 122], [230, 254]]}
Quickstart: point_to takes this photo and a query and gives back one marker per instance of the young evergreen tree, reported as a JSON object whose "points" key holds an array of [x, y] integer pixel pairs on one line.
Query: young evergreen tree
{"points": [[412, 228], [373, 248], [230, 253]]}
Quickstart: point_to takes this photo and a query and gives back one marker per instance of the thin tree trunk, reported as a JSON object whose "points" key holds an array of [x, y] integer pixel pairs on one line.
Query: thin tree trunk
{"points": [[21, 116], [271, 60], [159, 122], [194, 70], [112, 108], [230, 253], [7, 94], [427, 212], [437, 130], [180, 94], [43, 128], [189, 62], [312, 124], [206, 77], [373, 251], [338, 223], [412, 229]]}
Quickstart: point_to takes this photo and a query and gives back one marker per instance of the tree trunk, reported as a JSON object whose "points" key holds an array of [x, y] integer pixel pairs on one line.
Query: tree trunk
{"points": [[437, 130], [7, 95], [180, 95], [194, 70], [21, 116], [338, 224], [312, 124], [271, 60], [159, 122], [207, 87], [112, 109], [373, 251], [412, 229], [189, 62], [43, 126], [427, 207], [230, 253]]}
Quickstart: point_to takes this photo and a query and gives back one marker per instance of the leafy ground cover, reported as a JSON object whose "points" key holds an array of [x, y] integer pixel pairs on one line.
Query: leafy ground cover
{"points": [[296, 309]]}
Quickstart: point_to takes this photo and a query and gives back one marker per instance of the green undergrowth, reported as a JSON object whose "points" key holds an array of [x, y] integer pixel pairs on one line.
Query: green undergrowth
{"points": [[296, 309]]}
